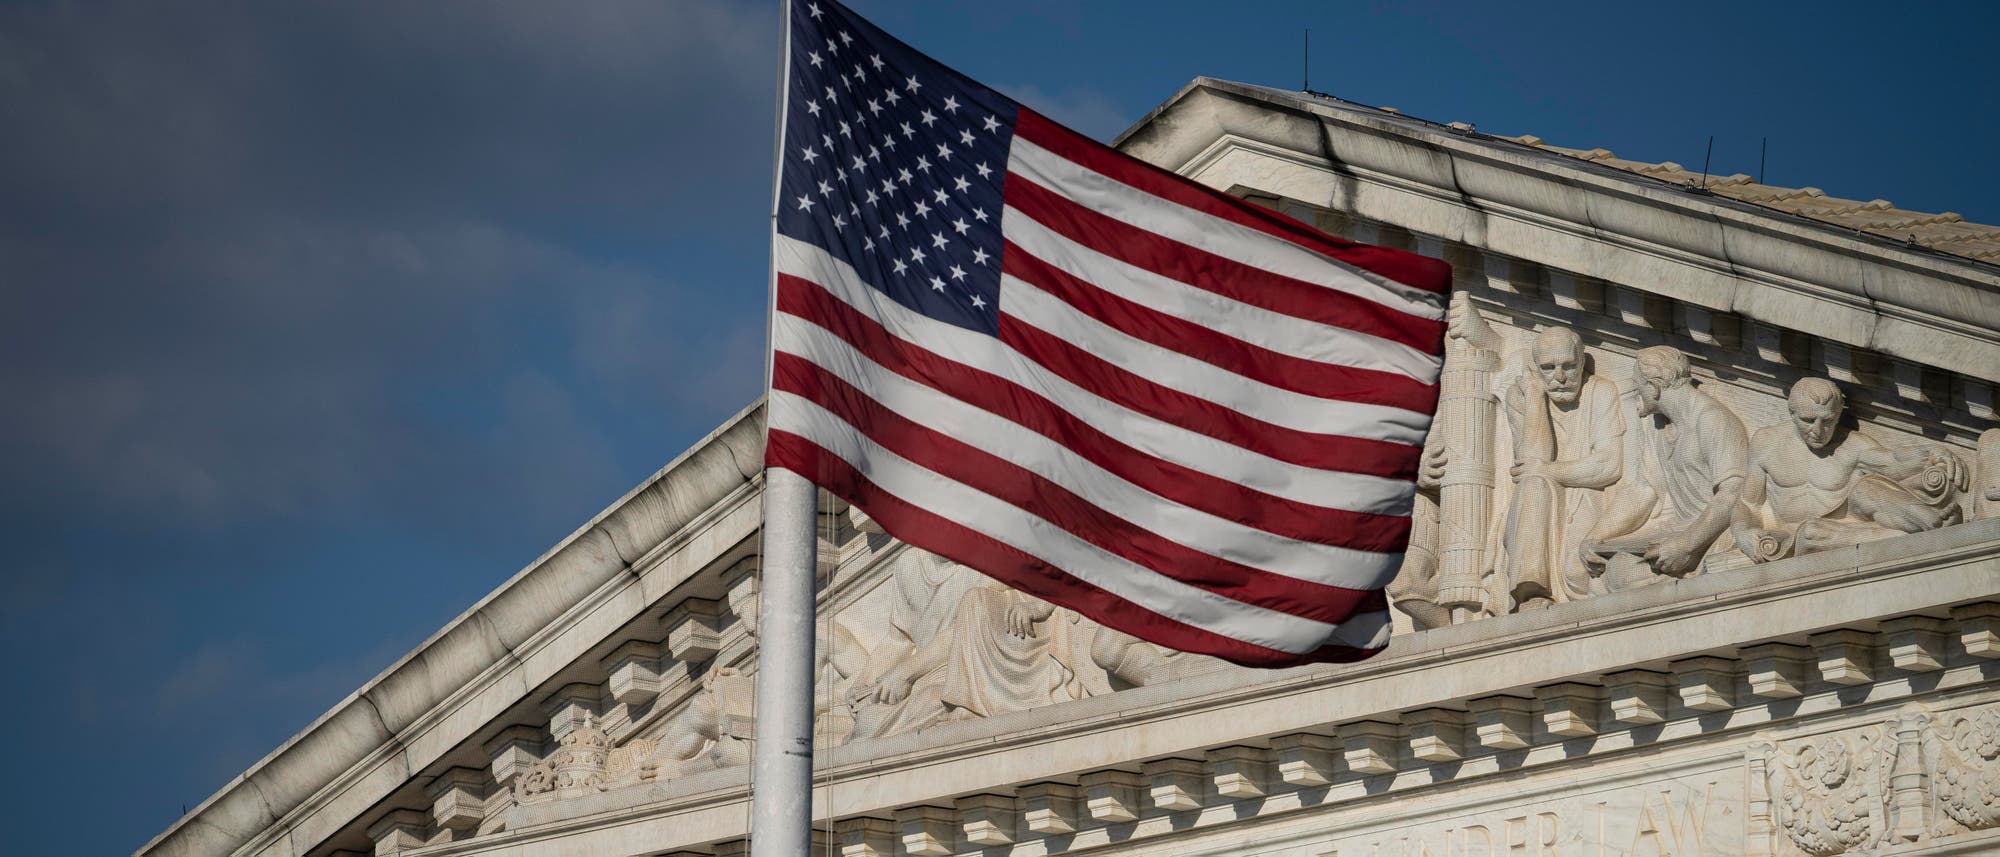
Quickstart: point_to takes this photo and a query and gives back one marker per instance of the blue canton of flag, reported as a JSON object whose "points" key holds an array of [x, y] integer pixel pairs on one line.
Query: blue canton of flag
{"points": [[893, 164]]}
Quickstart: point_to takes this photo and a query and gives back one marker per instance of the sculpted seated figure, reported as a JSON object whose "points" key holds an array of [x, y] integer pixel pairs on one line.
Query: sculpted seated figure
{"points": [[1695, 456], [1817, 484], [1568, 447], [958, 644]]}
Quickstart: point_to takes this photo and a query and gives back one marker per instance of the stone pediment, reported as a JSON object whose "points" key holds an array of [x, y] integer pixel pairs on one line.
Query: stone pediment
{"points": [[1839, 614]]}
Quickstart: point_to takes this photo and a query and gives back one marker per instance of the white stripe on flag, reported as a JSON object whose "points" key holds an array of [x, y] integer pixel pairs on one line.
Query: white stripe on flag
{"points": [[1189, 527], [1236, 242], [1285, 334], [1170, 368], [1052, 544]]}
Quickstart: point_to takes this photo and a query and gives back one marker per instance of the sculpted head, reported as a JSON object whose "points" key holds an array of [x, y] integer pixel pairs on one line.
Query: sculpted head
{"points": [[1559, 358], [1655, 371], [1816, 405]]}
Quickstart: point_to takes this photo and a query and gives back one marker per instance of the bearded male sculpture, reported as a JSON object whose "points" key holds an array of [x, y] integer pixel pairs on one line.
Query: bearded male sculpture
{"points": [[1816, 484]]}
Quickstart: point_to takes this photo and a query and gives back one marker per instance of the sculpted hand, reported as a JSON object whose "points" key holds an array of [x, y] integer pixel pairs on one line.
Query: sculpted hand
{"points": [[1529, 469], [1019, 623], [1673, 556], [1430, 470], [891, 689]]}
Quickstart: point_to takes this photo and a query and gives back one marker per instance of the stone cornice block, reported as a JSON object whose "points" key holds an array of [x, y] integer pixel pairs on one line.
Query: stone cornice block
{"points": [[927, 831], [1636, 308], [634, 669], [1979, 628], [1436, 734], [1570, 709], [1706, 683], [1909, 380], [1048, 808], [512, 752], [1776, 344], [1638, 696], [1240, 772], [694, 630], [1503, 722], [865, 837], [1174, 785], [986, 819], [1573, 292], [458, 798], [1369, 746], [400, 830], [1111, 796], [1305, 759], [1916, 643], [1777, 670], [1979, 399], [571, 707], [1846, 656], [1510, 275], [1707, 326]]}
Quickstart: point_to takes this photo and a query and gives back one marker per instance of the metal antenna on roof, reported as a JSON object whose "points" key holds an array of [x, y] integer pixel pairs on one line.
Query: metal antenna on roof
{"points": [[1704, 161], [1306, 63], [1763, 148]]}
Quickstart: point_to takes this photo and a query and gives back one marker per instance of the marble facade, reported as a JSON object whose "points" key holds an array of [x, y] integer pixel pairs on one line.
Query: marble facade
{"points": [[1706, 563]]}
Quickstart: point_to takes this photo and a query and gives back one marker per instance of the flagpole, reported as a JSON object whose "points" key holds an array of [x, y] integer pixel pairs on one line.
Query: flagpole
{"points": [[781, 765]]}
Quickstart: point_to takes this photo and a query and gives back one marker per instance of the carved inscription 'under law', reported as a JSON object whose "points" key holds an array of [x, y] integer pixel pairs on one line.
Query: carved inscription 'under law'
{"points": [[1691, 817]]}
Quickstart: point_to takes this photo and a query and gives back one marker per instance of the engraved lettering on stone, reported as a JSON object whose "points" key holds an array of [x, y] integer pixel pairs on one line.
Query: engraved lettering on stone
{"points": [[1693, 817], [1817, 484]]}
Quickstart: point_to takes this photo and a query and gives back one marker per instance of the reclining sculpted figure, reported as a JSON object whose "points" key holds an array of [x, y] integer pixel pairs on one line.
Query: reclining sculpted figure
{"points": [[1817, 484]]}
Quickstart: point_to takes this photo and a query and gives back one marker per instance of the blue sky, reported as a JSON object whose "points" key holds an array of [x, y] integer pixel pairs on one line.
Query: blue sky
{"points": [[320, 320]]}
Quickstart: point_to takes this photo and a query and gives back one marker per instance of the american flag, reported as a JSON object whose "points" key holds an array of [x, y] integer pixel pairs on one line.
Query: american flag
{"points": [[1181, 415]]}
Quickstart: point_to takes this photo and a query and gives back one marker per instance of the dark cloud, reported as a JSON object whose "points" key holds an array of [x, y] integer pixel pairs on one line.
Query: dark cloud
{"points": [[278, 259]]}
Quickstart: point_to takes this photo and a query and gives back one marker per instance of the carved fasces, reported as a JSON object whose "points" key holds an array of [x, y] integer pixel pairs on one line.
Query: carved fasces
{"points": [[1606, 489]]}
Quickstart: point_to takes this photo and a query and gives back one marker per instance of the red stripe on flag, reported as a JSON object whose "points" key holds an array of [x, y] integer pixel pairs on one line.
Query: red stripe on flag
{"points": [[1091, 372], [1410, 269], [1023, 489], [1186, 486], [1277, 369], [1227, 277], [929, 531]]}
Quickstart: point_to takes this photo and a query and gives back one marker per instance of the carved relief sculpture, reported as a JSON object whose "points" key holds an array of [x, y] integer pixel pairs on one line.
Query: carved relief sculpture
{"points": [[1568, 447], [1459, 468], [958, 644], [1826, 796], [1968, 768], [1987, 500], [1817, 484], [1696, 456]]}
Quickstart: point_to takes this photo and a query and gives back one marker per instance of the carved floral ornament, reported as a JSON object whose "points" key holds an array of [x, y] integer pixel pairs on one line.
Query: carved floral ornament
{"points": [[1547, 481], [1911, 780]]}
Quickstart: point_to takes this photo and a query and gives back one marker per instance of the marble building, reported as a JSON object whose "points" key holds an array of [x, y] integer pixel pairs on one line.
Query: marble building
{"points": [[1707, 563]]}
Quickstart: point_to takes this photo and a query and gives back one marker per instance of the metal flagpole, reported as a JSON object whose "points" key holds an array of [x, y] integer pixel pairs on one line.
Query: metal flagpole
{"points": [[781, 767]]}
